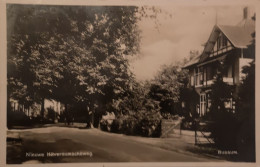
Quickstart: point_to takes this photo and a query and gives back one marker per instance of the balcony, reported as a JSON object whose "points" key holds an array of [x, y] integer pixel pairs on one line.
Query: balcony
{"points": [[227, 80], [199, 82]]}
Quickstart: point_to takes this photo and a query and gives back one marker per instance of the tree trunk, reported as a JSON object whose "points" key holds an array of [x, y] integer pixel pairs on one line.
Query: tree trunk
{"points": [[91, 122], [89, 115], [42, 108], [67, 114], [28, 111], [9, 110], [97, 118], [88, 119], [93, 118]]}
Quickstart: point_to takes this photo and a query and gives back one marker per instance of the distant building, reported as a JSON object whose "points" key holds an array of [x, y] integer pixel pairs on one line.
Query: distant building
{"points": [[35, 108], [224, 41]]}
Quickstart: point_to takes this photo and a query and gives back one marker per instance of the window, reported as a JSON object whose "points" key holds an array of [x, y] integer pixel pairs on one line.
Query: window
{"points": [[205, 74], [221, 42], [230, 105], [199, 76], [192, 80], [224, 41], [202, 104], [209, 103], [199, 79]]}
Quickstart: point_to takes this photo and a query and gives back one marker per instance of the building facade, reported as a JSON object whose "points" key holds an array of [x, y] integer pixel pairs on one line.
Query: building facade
{"points": [[233, 43], [35, 108]]}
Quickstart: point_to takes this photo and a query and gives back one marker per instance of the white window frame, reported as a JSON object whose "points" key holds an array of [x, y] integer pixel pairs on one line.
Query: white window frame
{"points": [[203, 104]]}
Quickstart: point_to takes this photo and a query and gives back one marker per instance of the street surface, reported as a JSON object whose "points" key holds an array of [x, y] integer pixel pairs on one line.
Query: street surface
{"points": [[103, 146]]}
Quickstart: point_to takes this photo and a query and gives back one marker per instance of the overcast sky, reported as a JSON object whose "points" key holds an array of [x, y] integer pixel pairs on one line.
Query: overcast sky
{"points": [[188, 29]]}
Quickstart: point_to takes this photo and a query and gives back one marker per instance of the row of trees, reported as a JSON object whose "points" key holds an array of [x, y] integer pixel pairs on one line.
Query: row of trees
{"points": [[70, 54]]}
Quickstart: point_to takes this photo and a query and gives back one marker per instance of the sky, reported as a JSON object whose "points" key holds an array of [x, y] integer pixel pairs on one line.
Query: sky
{"points": [[188, 29]]}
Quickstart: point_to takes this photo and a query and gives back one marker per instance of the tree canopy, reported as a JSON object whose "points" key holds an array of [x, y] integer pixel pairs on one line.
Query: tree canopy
{"points": [[167, 86], [70, 53]]}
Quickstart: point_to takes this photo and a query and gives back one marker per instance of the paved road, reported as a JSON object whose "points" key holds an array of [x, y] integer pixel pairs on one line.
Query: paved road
{"points": [[104, 147]]}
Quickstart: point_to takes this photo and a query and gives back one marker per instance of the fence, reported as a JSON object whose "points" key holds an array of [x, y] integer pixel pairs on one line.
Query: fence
{"points": [[171, 128], [202, 135]]}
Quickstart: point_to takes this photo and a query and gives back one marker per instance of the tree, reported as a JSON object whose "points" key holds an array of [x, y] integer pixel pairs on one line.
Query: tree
{"points": [[136, 113], [189, 98], [246, 114], [27, 56], [246, 108], [166, 88], [114, 36], [224, 125], [235, 130]]}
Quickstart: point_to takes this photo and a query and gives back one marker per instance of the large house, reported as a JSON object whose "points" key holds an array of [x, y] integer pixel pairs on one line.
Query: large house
{"points": [[224, 41]]}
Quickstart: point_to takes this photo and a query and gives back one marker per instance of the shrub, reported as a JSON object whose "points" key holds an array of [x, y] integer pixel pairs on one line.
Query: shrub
{"points": [[142, 123], [149, 126], [116, 126], [103, 125], [224, 129]]}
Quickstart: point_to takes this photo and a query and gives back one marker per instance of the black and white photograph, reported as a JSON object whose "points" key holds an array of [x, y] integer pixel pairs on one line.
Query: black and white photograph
{"points": [[130, 83]]}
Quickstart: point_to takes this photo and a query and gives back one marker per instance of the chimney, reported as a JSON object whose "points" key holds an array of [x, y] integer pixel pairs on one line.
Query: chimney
{"points": [[247, 17], [245, 13]]}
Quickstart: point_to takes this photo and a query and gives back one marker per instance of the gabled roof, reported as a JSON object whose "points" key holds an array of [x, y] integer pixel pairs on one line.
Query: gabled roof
{"points": [[240, 36]]}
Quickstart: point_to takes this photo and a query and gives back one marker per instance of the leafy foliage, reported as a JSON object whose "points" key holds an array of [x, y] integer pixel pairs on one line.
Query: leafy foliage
{"points": [[166, 88], [190, 99], [70, 54], [235, 130], [223, 125], [246, 114], [136, 114]]}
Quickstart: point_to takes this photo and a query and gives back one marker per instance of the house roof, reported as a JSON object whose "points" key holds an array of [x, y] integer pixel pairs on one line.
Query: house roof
{"points": [[193, 61], [240, 36]]}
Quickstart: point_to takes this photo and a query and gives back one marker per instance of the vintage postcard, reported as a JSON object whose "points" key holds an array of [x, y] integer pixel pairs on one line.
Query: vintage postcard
{"points": [[129, 83]]}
